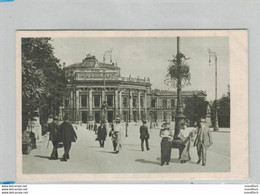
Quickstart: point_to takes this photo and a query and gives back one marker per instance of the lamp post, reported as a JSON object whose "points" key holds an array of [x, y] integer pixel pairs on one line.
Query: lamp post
{"points": [[104, 105], [179, 111], [213, 54]]}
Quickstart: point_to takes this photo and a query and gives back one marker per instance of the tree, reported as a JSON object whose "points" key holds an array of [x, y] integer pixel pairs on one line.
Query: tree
{"points": [[43, 81], [195, 108], [223, 110], [177, 72]]}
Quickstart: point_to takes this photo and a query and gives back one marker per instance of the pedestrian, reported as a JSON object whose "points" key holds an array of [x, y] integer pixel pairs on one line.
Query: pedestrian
{"points": [[126, 129], [166, 143], [186, 136], [113, 137], [202, 141], [144, 136], [116, 135], [68, 135], [102, 134], [55, 137], [95, 127]]}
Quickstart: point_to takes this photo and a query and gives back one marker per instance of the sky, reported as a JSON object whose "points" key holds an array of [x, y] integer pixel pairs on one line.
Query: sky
{"points": [[149, 57]]}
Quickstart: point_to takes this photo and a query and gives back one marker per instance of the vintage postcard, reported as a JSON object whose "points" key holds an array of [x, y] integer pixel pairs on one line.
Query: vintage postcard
{"points": [[132, 105]]}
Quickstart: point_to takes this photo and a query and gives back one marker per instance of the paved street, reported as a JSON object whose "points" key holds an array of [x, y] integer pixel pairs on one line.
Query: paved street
{"points": [[87, 157]]}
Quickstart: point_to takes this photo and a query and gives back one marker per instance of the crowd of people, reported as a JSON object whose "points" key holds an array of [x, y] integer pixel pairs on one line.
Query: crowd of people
{"points": [[64, 134]]}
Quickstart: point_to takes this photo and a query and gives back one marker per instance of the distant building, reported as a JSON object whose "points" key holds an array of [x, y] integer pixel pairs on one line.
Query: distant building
{"points": [[91, 84]]}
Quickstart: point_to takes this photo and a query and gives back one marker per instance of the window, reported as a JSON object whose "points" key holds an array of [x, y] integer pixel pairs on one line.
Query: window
{"points": [[66, 102], [165, 104], [134, 101], [142, 102], [172, 104], [83, 101], [109, 100], [124, 102], [97, 101], [153, 103]]}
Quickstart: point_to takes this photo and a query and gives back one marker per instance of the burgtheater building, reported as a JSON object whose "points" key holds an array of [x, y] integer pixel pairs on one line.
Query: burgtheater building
{"points": [[97, 91]]}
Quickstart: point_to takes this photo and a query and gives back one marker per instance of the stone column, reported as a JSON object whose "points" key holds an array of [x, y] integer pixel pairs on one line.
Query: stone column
{"points": [[131, 106], [139, 105], [71, 112], [90, 104], [120, 104], [116, 103], [103, 96], [145, 105], [77, 106]]}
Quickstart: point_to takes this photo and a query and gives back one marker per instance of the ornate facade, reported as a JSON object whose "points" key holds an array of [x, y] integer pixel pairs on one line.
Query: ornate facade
{"points": [[95, 86]]}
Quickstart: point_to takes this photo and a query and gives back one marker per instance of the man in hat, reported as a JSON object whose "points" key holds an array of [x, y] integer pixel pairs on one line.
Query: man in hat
{"points": [[144, 136], [54, 136], [203, 141], [102, 134], [68, 135]]}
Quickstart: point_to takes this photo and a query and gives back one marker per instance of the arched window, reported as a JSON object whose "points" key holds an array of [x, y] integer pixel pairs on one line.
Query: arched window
{"points": [[164, 104], [153, 103]]}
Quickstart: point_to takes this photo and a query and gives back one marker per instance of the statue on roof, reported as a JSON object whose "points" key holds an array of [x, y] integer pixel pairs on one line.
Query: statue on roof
{"points": [[89, 55]]}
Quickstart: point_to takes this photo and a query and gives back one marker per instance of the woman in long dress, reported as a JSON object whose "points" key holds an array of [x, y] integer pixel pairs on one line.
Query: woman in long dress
{"points": [[116, 135], [186, 136], [166, 144]]}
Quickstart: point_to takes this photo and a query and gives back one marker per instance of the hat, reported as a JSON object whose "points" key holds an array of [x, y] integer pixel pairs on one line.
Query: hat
{"points": [[117, 119], [184, 123], [144, 121], [166, 125], [202, 120], [66, 117], [55, 118]]}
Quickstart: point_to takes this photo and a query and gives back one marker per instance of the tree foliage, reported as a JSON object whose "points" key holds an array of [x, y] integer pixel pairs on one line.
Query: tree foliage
{"points": [[179, 71], [195, 108], [43, 81], [223, 111]]}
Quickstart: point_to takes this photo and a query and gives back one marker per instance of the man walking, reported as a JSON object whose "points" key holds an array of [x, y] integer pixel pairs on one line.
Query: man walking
{"points": [[102, 134], [203, 141], [68, 135], [144, 136], [54, 136], [95, 127]]}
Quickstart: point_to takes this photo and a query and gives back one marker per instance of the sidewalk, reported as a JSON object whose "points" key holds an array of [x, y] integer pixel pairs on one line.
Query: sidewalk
{"points": [[88, 157]]}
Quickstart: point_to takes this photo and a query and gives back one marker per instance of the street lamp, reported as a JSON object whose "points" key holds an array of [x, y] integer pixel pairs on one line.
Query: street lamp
{"points": [[179, 111], [213, 54]]}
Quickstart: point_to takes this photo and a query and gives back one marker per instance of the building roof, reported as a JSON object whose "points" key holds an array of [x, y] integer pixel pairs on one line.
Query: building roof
{"points": [[184, 93], [91, 62]]}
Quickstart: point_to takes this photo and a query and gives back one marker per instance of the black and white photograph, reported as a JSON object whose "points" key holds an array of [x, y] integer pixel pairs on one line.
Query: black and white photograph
{"points": [[132, 103]]}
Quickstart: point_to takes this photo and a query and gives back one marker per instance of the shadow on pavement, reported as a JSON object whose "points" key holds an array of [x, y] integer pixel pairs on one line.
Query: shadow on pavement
{"points": [[147, 161], [135, 150], [173, 160], [46, 157], [108, 152]]}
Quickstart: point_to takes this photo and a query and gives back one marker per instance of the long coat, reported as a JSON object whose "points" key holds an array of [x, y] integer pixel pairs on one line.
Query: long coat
{"points": [[101, 133], [144, 134], [203, 136], [55, 134], [68, 134]]}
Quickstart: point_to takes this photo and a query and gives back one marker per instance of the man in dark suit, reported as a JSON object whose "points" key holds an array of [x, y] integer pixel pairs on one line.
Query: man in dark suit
{"points": [[203, 141], [102, 134], [68, 135], [144, 136], [54, 136]]}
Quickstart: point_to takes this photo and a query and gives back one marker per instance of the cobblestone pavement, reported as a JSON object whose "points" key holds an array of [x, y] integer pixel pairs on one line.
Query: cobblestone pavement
{"points": [[87, 157]]}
